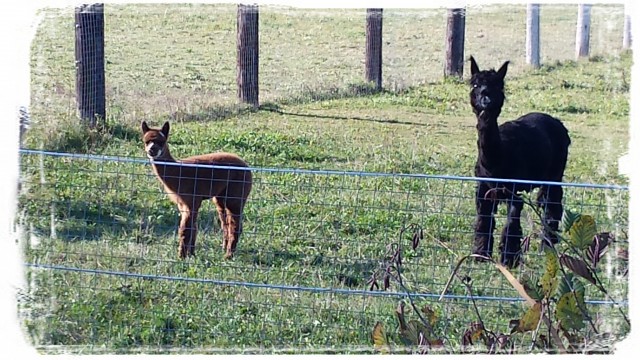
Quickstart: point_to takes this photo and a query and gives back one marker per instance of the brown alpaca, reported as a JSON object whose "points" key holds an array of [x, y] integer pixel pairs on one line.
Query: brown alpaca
{"points": [[188, 186]]}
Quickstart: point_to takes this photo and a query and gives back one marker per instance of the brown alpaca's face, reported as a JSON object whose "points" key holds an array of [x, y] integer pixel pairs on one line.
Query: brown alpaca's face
{"points": [[155, 140], [487, 88]]}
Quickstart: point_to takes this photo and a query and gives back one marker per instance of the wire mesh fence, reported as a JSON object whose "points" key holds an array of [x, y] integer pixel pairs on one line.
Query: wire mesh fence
{"points": [[104, 270], [100, 235]]}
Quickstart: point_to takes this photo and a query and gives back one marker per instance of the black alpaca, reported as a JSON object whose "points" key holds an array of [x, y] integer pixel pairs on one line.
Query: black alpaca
{"points": [[533, 147]]}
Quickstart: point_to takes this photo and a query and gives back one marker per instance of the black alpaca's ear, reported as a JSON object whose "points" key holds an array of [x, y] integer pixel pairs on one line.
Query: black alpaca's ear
{"points": [[145, 127], [165, 129], [503, 69], [474, 66]]}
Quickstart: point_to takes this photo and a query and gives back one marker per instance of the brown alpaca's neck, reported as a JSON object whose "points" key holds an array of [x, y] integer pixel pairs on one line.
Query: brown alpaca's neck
{"points": [[489, 144], [163, 171]]}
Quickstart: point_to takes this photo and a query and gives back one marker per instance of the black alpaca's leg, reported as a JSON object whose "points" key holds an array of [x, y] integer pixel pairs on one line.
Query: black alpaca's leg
{"points": [[485, 223], [510, 243], [552, 213], [542, 196]]}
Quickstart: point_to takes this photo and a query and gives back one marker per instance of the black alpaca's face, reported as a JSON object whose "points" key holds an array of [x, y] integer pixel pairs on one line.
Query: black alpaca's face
{"points": [[487, 88], [155, 140]]}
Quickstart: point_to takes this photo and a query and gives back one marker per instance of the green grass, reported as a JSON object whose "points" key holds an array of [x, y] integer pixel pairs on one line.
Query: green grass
{"points": [[177, 63]]}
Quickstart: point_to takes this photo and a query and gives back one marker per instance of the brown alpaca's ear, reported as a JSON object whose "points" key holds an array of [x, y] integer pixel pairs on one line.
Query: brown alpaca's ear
{"points": [[474, 66], [503, 69], [145, 127], [165, 130]]}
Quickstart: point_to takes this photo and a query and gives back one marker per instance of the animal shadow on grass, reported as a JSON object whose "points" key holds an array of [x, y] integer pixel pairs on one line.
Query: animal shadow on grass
{"points": [[340, 272], [76, 221]]}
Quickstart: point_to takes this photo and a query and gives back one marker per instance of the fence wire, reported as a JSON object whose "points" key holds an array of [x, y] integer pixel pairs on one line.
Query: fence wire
{"points": [[101, 257], [100, 236]]}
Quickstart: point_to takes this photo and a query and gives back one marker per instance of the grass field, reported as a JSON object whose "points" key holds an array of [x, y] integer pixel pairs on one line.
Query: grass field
{"points": [[303, 230]]}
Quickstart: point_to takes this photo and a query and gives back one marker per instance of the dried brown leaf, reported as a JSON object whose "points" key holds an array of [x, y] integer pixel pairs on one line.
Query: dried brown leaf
{"points": [[578, 267], [373, 283], [415, 241], [474, 332], [385, 281], [491, 194], [598, 248]]}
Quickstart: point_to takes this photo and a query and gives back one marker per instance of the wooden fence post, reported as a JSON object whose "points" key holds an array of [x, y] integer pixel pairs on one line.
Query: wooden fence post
{"points": [[582, 30], [373, 61], [626, 36], [454, 61], [247, 61], [533, 35], [89, 54]]}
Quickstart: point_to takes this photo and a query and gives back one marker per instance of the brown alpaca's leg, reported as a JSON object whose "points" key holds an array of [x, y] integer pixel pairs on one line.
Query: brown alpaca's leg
{"points": [[182, 247], [234, 218], [485, 224], [235, 199], [222, 214], [188, 227]]}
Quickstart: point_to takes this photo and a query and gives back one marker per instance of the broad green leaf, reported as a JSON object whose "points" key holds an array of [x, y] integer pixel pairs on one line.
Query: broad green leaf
{"points": [[568, 284], [568, 218], [379, 338], [568, 312], [530, 319], [582, 232], [408, 332], [410, 335], [520, 289], [549, 280], [416, 328], [531, 285]]}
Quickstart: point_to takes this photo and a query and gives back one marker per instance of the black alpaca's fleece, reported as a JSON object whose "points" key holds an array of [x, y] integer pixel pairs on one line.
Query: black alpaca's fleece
{"points": [[532, 147]]}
